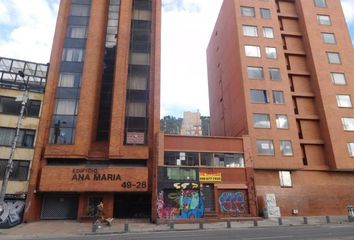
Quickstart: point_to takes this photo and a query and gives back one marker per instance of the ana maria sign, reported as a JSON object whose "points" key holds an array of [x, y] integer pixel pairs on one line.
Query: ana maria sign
{"points": [[88, 174]]}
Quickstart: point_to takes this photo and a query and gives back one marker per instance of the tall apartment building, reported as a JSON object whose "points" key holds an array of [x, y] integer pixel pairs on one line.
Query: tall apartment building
{"points": [[281, 72], [100, 114], [12, 88]]}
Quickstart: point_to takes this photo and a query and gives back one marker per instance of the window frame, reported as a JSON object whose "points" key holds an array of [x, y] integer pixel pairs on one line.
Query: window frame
{"points": [[330, 59], [282, 182], [265, 95], [350, 146], [347, 125], [324, 22], [320, 3], [275, 97], [271, 76], [269, 55], [278, 124], [283, 144], [265, 141], [265, 34], [267, 120], [253, 27], [254, 68], [246, 7], [265, 13], [333, 74], [257, 48], [339, 101], [324, 34]]}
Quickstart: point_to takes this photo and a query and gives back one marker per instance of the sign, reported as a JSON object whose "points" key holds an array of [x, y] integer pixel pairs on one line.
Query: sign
{"points": [[78, 179], [136, 138], [209, 177]]}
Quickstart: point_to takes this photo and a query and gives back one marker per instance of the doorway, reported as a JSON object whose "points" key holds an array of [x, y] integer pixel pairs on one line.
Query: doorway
{"points": [[208, 195], [132, 205]]}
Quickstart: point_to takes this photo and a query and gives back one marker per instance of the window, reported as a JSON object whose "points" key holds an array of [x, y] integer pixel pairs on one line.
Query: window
{"points": [[328, 38], [265, 147], [9, 105], [255, 73], [248, 12], [344, 101], [261, 120], [182, 158], [348, 124], [278, 97], [265, 13], [25, 138], [228, 160], [271, 52], [320, 3], [338, 78], [274, 74], [286, 148], [252, 51], [76, 32], [259, 96], [73, 55], [268, 32], [282, 121], [206, 159], [19, 170], [333, 58], [178, 174], [66, 107], [250, 31], [324, 19], [80, 10], [351, 149], [285, 179]]}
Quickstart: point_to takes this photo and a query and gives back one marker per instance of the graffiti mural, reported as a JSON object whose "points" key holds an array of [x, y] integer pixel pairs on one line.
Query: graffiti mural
{"points": [[233, 203], [180, 204], [12, 214]]}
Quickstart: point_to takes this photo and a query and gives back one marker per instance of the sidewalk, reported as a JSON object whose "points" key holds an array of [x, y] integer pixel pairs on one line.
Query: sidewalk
{"points": [[61, 228]]}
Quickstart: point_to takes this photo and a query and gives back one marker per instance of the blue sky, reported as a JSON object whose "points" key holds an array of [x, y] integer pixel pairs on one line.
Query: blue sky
{"points": [[27, 28]]}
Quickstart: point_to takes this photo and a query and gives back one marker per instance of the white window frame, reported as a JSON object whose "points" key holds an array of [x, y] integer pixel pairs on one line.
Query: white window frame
{"points": [[248, 8], [344, 101], [250, 31], [265, 144], [324, 20], [253, 51], [342, 77], [328, 36], [285, 179]]}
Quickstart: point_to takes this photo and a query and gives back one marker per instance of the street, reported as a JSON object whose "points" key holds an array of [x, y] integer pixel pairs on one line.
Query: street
{"points": [[332, 232]]}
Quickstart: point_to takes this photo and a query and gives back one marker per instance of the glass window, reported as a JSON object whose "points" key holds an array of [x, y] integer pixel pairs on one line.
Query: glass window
{"points": [[61, 135], [248, 11], [268, 32], [320, 3], [328, 38], [348, 124], [19, 170], [255, 73], [250, 31], [333, 58], [228, 160], [179, 174], [351, 149], [285, 179], [206, 159], [265, 13], [278, 97], [286, 148], [265, 147], [76, 32], [25, 137], [136, 109], [261, 120], [324, 19], [338, 78], [282, 121], [67, 80], [182, 158], [344, 101], [65, 106], [139, 58], [259, 96], [271, 52], [274, 74], [73, 55], [252, 51], [80, 10]]}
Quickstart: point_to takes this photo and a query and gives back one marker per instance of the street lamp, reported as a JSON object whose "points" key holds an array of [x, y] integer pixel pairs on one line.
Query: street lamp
{"points": [[9, 165]]}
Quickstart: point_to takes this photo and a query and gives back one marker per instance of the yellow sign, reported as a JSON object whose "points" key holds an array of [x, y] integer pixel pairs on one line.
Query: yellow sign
{"points": [[212, 177]]}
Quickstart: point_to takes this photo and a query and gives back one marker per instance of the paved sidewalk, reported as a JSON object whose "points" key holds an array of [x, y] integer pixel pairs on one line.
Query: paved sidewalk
{"points": [[62, 228]]}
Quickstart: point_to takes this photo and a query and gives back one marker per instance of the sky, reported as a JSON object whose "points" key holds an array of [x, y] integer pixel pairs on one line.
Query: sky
{"points": [[27, 29]]}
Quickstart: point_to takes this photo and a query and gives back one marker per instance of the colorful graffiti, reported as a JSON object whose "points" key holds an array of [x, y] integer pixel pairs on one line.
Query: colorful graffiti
{"points": [[233, 203], [180, 204], [12, 214]]}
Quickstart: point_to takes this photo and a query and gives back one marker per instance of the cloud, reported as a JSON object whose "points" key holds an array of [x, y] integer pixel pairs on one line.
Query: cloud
{"points": [[29, 33], [181, 5], [348, 8]]}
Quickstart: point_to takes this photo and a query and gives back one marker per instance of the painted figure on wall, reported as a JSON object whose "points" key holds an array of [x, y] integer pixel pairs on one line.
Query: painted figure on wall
{"points": [[180, 204], [12, 214], [233, 202]]}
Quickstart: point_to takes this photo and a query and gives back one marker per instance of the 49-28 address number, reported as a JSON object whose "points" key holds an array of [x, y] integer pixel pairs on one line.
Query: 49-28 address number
{"points": [[128, 184]]}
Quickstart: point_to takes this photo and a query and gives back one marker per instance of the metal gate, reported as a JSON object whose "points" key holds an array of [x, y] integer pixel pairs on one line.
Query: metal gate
{"points": [[63, 206], [208, 194]]}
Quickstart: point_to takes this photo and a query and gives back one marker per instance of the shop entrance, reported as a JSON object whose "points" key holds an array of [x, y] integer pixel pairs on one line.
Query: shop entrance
{"points": [[132, 205], [208, 193]]}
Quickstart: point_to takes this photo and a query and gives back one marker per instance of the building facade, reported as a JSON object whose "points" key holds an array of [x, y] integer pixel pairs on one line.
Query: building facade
{"points": [[191, 124], [12, 87], [281, 72], [100, 116]]}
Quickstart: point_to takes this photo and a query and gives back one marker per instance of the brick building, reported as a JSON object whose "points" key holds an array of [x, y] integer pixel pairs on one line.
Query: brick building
{"points": [[281, 72], [12, 88], [101, 112]]}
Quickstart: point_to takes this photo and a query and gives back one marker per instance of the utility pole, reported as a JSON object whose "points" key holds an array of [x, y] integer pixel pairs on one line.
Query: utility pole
{"points": [[9, 165]]}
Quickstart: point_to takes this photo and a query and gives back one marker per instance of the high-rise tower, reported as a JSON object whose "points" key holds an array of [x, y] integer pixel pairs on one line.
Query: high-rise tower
{"points": [[100, 113], [281, 72]]}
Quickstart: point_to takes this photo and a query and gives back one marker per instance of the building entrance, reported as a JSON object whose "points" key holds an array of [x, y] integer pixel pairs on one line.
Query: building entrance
{"points": [[60, 206], [132, 205], [208, 195]]}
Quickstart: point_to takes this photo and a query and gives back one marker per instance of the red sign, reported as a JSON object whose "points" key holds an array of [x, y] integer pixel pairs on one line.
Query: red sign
{"points": [[135, 138]]}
